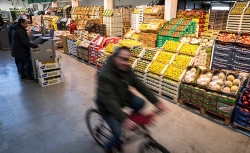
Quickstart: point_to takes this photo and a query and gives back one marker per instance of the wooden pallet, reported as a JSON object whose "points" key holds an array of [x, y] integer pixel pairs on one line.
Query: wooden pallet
{"points": [[169, 98], [210, 115], [241, 129]]}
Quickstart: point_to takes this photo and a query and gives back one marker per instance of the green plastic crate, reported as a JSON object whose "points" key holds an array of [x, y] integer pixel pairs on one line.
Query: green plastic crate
{"points": [[197, 97], [210, 96], [224, 109], [196, 102], [227, 100], [209, 102], [186, 87], [198, 91], [209, 107]]}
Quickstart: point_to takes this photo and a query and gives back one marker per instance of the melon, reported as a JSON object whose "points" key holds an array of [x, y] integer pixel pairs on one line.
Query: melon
{"points": [[222, 75], [215, 78], [230, 77], [234, 88], [226, 89], [220, 82], [217, 87], [236, 82], [228, 84]]}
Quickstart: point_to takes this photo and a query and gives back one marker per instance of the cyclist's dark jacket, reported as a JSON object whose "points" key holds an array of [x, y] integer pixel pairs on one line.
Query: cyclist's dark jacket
{"points": [[113, 93]]}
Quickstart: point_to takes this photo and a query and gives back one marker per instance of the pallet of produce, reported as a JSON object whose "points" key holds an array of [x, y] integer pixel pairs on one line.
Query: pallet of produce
{"points": [[142, 65], [132, 62], [204, 79], [245, 98], [156, 67], [244, 40], [153, 81], [164, 32], [165, 57], [137, 51], [150, 53], [185, 92], [182, 61], [174, 73], [175, 34], [226, 37], [233, 83], [110, 48], [225, 106], [186, 21], [175, 21], [140, 75], [191, 74], [170, 88], [189, 49], [172, 46]]}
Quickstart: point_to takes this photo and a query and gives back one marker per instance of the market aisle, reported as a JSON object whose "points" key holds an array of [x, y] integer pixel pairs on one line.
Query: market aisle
{"points": [[34, 119]]}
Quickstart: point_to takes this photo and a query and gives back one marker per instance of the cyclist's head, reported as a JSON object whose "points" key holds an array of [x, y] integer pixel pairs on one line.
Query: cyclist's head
{"points": [[121, 58]]}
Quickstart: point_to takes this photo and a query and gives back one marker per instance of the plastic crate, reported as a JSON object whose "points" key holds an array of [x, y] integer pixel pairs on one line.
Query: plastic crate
{"points": [[241, 117]]}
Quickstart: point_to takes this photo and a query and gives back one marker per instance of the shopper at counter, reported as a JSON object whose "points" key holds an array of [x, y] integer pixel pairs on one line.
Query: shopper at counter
{"points": [[72, 27], [10, 41], [1, 22], [20, 48]]}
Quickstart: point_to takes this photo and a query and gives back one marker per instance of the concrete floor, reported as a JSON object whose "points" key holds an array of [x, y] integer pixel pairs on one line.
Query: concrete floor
{"points": [[35, 119]]}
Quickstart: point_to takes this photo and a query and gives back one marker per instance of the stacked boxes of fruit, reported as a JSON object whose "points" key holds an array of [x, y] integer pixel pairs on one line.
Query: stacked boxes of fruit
{"points": [[209, 91], [49, 72], [242, 110], [238, 17], [231, 54], [175, 29], [113, 21], [199, 16]]}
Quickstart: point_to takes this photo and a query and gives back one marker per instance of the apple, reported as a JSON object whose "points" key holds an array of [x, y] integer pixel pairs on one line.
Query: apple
{"points": [[245, 103], [241, 109], [244, 98], [246, 110]]}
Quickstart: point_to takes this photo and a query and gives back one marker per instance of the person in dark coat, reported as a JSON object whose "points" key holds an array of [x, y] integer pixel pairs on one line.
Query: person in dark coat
{"points": [[1, 22], [10, 42], [114, 80], [20, 48]]}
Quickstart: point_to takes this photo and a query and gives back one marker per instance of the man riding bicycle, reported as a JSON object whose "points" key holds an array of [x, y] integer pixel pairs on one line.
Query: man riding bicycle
{"points": [[112, 94]]}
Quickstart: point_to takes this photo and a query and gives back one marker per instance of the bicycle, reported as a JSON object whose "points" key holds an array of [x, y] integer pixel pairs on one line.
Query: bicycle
{"points": [[102, 132]]}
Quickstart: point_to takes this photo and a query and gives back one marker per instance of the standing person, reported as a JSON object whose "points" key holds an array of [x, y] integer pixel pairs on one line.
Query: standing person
{"points": [[20, 48], [10, 41], [112, 95], [72, 27], [1, 22]]}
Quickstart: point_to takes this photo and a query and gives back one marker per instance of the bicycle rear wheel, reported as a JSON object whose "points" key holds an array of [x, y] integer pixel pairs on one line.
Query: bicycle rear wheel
{"points": [[97, 127], [152, 147]]}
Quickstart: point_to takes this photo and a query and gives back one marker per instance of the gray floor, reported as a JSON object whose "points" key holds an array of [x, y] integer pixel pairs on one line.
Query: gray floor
{"points": [[35, 119]]}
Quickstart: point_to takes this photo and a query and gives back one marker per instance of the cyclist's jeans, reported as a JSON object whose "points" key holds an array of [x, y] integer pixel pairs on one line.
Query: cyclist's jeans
{"points": [[136, 104]]}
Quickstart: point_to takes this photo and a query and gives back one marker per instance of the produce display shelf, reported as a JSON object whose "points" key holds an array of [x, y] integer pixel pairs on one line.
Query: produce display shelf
{"points": [[170, 94], [208, 114]]}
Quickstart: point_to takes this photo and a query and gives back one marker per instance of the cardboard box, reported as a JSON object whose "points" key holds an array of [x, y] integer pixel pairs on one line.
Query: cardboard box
{"points": [[48, 65], [50, 81], [47, 74]]}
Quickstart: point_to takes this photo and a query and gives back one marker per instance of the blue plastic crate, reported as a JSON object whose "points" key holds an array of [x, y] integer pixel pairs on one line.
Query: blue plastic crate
{"points": [[241, 117]]}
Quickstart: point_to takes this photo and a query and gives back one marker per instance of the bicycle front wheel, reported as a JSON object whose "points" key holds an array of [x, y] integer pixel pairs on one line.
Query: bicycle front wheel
{"points": [[152, 147]]}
